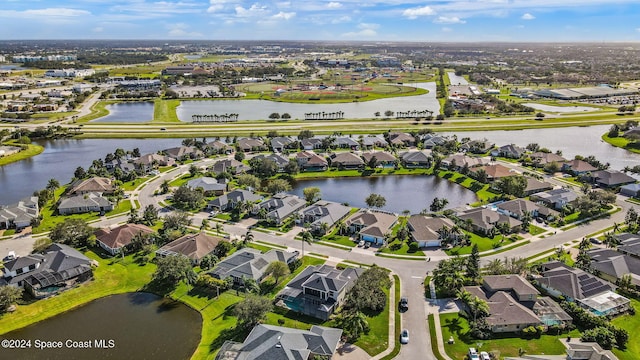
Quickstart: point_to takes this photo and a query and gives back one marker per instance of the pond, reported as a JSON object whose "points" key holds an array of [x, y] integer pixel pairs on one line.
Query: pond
{"points": [[140, 325], [560, 109], [128, 112], [261, 109], [408, 192], [60, 159]]}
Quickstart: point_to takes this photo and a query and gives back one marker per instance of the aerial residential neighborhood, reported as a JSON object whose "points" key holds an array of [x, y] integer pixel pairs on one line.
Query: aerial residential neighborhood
{"points": [[368, 197]]}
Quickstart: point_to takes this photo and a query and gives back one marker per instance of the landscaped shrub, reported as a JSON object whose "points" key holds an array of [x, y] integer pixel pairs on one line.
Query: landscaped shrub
{"points": [[413, 247]]}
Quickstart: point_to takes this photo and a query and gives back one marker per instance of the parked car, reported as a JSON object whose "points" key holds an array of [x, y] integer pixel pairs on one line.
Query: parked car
{"points": [[595, 241], [404, 303], [484, 355], [473, 354], [361, 243], [404, 336]]}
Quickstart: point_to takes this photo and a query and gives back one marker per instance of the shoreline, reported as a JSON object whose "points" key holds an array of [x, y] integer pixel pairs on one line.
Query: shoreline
{"points": [[30, 151]]}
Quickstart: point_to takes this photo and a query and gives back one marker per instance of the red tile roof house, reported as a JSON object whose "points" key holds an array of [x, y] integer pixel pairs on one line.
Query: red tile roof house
{"points": [[115, 240]]}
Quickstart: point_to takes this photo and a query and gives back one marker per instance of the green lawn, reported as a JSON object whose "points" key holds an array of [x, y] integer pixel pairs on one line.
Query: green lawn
{"points": [[631, 323], [398, 323], [484, 244], [535, 230], [49, 220], [112, 276], [633, 146], [165, 111], [27, 152], [507, 344], [483, 191], [338, 239], [132, 185], [400, 248], [377, 340]]}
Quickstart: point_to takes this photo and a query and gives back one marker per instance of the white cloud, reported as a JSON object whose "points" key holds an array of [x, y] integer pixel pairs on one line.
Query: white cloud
{"points": [[342, 19], [334, 5], [527, 16], [449, 20], [283, 15], [366, 30], [181, 30], [414, 13], [57, 12], [253, 11], [217, 5]]}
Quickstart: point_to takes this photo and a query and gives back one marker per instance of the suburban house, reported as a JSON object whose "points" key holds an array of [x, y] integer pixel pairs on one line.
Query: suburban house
{"points": [[631, 190], [371, 225], [84, 203], [231, 166], [275, 342], [536, 186], [318, 290], [344, 142], [494, 172], [219, 147], [516, 208], [426, 230], [430, 141], [629, 244], [370, 142], [346, 160], [92, 185], [577, 167], [280, 144], [513, 303], [279, 160], [311, 143], [401, 139], [477, 146], [19, 215], [280, 206], [249, 263], [210, 186], [611, 178], [458, 161], [310, 161], [510, 151], [612, 265], [115, 240], [182, 153], [416, 159], [323, 212], [383, 159], [149, 162], [229, 200], [484, 220], [542, 159], [576, 350], [589, 291], [193, 246], [556, 198], [59, 268], [123, 165], [251, 144]]}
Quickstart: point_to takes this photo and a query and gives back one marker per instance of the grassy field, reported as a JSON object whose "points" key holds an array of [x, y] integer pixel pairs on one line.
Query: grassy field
{"points": [[111, 277], [508, 345], [98, 110], [164, 111], [631, 323], [27, 152], [484, 244]]}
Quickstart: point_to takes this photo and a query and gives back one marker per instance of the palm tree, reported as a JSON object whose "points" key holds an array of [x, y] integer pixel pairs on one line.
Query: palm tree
{"points": [[53, 184], [354, 323], [250, 285], [306, 238], [248, 237], [218, 228], [611, 240]]}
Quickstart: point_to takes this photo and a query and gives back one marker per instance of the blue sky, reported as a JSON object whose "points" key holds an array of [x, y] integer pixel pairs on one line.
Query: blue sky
{"points": [[343, 20]]}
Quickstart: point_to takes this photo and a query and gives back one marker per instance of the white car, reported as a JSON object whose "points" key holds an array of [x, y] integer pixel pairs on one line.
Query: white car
{"points": [[484, 355], [404, 336], [473, 354], [361, 243]]}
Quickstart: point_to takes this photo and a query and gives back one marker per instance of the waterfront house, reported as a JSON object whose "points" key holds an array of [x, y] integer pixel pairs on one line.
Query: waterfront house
{"points": [[510, 151], [231, 166], [219, 147], [148, 162], [231, 199], [192, 246], [19, 215], [495, 171], [577, 167], [318, 290], [251, 144], [542, 159], [383, 159], [249, 263], [611, 178], [95, 184], [310, 161], [371, 225], [430, 141], [346, 161], [416, 159], [59, 268], [458, 161], [266, 342], [483, 220], [536, 186], [516, 208], [117, 239]]}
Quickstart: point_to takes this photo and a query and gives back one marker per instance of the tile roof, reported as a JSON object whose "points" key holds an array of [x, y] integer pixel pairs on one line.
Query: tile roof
{"points": [[122, 235]]}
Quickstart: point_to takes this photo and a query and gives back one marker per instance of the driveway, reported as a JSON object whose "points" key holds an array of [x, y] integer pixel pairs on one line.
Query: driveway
{"points": [[348, 351]]}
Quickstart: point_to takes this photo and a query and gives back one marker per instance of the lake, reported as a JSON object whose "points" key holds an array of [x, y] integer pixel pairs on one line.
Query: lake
{"points": [[407, 192], [128, 112], [141, 325], [261, 109]]}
